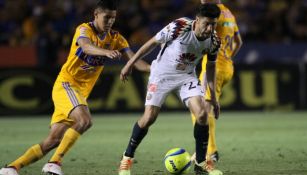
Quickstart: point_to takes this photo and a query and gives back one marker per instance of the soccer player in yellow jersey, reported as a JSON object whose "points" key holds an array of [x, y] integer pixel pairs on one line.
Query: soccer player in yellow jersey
{"points": [[93, 43], [231, 42]]}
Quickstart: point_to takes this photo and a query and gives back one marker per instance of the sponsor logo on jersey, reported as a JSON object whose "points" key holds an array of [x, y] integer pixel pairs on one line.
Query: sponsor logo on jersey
{"points": [[186, 58], [88, 68], [152, 88]]}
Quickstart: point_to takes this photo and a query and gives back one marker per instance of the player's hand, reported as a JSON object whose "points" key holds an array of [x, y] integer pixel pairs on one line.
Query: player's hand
{"points": [[125, 73], [216, 43], [216, 108], [113, 54]]}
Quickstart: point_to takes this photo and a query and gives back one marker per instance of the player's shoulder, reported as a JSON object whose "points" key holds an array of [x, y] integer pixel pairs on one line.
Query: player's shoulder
{"points": [[225, 12], [84, 29], [115, 34], [183, 22], [84, 26], [180, 26]]}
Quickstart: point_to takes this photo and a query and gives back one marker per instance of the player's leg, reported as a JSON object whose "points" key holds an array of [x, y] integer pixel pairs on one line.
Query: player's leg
{"points": [[82, 122], [212, 147], [223, 76], [36, 152], [155, 97], [139, 131], [196, 105], [192, 94], [71, 109], [200, 108]]}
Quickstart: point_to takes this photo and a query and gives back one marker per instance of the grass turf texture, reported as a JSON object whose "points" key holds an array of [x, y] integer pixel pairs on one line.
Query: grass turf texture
{"points": [[249, 143]]}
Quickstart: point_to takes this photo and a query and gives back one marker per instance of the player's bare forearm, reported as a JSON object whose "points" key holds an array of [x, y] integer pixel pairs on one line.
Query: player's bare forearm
{"points": [[211, 74], [90, 49], [148, 47], [237, 45], [140, 64], [210, 78], [143, 51]]}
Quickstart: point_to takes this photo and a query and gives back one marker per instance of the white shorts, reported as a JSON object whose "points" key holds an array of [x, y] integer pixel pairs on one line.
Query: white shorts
{"points": [[186, 86]]}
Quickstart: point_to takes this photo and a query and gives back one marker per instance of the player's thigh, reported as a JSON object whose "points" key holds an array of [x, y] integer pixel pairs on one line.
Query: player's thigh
{"points": [[190, 88], [223, 76], [227, 75], [66, 97]]}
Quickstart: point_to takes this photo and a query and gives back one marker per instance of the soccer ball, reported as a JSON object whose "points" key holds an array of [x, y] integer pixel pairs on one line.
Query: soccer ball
{"points": [[177, 161]]}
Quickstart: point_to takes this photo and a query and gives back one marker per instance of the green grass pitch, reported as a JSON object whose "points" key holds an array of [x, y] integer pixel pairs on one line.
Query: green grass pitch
{"points": [[250, 143]]}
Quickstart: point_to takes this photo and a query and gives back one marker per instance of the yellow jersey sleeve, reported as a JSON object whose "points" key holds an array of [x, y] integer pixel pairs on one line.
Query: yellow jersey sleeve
{"points": [[83, 31], [121, 43]]}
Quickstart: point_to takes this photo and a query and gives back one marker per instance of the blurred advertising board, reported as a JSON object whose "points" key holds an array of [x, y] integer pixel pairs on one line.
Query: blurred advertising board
{"points": [[27, 91]]}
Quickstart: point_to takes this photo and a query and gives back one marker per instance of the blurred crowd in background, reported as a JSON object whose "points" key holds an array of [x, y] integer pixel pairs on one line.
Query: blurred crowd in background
{"points": [[50, 24]]}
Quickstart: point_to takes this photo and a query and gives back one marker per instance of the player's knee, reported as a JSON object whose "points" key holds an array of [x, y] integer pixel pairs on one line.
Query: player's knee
{"points": [[146, 121], [202, 117], [83, 125]]}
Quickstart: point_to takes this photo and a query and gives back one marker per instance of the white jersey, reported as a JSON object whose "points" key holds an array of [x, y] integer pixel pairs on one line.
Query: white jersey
{"points": [[181, 50]]}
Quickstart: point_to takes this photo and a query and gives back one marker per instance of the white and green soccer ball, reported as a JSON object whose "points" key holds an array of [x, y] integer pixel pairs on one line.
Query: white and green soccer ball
{"points": [[177, 161], [216, 172]]}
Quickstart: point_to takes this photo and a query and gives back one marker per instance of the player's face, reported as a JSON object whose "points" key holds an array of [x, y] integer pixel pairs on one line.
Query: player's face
{"points": [[204, 27], [105, 19]]}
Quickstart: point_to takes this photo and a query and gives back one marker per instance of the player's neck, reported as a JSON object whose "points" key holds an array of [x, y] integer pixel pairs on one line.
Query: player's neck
{"points": [[97, 28]]}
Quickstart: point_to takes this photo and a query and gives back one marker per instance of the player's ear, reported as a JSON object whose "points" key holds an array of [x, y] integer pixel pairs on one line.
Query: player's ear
{"points": [[197, 19], [96, 12]]}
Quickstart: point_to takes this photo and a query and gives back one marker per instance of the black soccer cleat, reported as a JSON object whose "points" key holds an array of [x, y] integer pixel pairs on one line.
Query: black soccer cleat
{"points": [[199, 170]]}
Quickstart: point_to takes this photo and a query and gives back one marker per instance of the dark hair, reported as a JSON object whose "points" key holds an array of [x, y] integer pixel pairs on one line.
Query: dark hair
{"points": [[209, 10], [106, 4]]}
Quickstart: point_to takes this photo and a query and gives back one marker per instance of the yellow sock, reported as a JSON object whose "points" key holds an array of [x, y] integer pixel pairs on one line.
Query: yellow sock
{"points": [[193, 119], [33, 154], [69, 138], [212, 142]]}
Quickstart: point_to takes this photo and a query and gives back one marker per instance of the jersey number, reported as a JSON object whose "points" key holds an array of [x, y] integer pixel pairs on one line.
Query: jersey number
{"points": [[192, 86], [229, 44]]}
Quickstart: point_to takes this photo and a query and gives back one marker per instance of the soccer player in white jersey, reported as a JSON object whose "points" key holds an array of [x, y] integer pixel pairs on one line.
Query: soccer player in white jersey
{"points": [[184, 42]]}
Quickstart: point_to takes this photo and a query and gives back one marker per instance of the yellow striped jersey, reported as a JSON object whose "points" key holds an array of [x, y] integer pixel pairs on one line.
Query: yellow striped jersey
{"points": [[226, 29], [82, 69]]}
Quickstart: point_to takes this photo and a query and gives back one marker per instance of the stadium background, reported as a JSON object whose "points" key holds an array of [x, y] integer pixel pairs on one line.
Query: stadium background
{"points": [[35, 38], [262, 129]]}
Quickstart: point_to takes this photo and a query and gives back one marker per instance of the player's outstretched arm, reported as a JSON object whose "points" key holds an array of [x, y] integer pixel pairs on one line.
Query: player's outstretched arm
{"points": [[143, 51], [90, 49], [210, 79], [140, 65], [237, 44], [211, 72]]}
